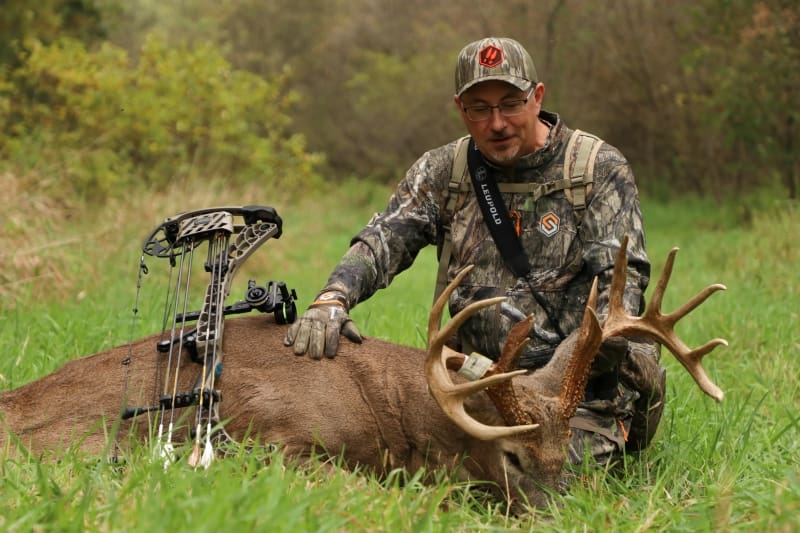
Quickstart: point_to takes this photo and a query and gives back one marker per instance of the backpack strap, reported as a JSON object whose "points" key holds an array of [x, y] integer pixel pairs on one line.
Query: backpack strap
{"points": [[457, 189], [579, 160]]}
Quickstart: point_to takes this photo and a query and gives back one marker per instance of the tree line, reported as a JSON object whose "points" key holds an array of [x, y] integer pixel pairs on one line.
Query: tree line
{"points": [[699, 95]]}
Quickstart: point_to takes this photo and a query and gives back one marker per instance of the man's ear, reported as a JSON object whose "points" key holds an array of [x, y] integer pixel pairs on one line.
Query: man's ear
{"points": [[538, 92], [459, 106]]}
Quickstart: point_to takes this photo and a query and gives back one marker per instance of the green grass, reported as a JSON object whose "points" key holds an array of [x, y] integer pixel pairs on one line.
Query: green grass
{"points": [[731, 466], [245, 492]]}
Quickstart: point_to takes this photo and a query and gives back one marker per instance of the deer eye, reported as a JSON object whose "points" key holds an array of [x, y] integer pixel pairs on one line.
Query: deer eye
{"points": [[513, 459]]}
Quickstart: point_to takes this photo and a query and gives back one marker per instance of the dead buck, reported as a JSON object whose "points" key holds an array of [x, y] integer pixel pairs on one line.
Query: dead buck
{"points": [[371, 404]]}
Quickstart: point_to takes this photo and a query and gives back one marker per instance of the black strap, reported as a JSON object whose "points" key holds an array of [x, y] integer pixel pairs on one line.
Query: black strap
{"points": [[496, 218], [495, 213]]}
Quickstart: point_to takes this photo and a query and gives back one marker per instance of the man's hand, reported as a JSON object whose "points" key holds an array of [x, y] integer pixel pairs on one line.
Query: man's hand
{"points": [[612, 352], [317, 331], [604, 373]]}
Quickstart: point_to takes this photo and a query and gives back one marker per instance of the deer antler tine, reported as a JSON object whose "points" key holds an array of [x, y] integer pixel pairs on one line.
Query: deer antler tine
{"points": [[701, 351], [456, 321], [618, 278], [661, 286], [590, 337], [450, 398], [435, 318], [591, 301], [447, 394], [698, 372], [698, 299], [515, 342], [456, 412], [462, 390], [503, 395]]}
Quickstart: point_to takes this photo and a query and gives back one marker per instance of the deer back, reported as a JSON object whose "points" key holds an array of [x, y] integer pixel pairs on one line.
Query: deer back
{"points": [[370, 403]]}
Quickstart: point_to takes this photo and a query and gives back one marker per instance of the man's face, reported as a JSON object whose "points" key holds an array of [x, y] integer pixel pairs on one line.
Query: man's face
{"points": [[502, 139]]}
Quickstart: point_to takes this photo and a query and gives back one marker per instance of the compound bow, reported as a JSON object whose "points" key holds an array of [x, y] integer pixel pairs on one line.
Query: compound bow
{"points": [[176, 239]]}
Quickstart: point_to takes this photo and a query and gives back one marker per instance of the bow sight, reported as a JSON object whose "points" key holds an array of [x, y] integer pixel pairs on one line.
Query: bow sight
{"points": [[274, 297], [229, 244]]}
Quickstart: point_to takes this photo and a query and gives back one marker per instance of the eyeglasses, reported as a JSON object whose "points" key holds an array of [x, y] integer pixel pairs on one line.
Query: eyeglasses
{"points": [[509, 108]]}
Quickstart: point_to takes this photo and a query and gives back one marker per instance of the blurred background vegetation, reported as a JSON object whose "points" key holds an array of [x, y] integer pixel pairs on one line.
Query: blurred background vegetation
{"points": [[99, 97]]}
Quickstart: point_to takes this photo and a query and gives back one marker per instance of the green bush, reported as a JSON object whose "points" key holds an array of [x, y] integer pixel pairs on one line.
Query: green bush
{"points": [[96, 122]]}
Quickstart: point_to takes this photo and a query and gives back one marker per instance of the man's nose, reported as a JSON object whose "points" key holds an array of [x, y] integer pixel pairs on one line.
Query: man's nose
{"points": [[497, 121]]}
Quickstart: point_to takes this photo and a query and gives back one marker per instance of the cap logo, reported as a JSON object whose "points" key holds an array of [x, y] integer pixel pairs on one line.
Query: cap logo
{"points": [[490, 56], [549, 224]]}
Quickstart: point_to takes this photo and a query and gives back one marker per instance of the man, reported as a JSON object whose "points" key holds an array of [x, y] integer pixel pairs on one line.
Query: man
{"points": [[565, 232]]}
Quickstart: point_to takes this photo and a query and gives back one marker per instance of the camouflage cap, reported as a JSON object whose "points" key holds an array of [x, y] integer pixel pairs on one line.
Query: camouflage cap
{"points": [[494, 58]]}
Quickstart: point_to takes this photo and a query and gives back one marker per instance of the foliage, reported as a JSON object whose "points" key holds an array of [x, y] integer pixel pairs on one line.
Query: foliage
{"points": [[698, 95], [748, 100], [23, 23], [368, 89], [92, 123]]}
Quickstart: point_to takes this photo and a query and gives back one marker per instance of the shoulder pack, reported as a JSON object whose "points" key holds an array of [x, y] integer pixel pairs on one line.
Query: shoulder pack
{"points": [[576, 182]]}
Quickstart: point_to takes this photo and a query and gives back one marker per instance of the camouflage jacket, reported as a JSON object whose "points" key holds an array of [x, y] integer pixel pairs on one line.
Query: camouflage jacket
{"points": [[564, 255]]}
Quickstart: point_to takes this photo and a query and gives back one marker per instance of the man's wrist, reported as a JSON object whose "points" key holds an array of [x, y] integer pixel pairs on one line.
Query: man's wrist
{"points": [[330, 297]]}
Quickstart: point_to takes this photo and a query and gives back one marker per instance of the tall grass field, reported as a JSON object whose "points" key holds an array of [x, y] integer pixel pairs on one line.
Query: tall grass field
{"points": [[68, 283]]}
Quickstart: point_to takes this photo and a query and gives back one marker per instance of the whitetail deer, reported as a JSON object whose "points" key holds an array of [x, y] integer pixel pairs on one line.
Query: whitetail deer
{"points": [[372, 403]]}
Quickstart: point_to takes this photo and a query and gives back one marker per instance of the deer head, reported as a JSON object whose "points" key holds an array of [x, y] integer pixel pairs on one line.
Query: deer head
{"points": [[533, 409]]}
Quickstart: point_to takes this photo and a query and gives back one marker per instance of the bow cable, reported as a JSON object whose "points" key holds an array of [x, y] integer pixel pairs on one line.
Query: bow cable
{"points": [[126, 363], [166, 452]]}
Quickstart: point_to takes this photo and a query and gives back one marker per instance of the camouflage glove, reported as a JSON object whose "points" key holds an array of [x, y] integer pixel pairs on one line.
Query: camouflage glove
{"points": [[611, 353], [604, 374], [317, 331]]}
